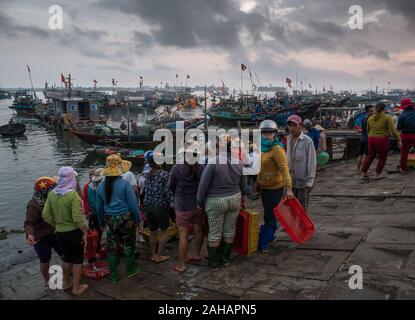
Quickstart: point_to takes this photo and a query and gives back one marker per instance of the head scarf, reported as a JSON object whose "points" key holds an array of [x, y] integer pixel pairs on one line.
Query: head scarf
{"points": [[66, 181], [267, 145]]}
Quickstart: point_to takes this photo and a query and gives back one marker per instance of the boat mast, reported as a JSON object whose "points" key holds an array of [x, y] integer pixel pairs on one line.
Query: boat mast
{"points": [[31, 82]]}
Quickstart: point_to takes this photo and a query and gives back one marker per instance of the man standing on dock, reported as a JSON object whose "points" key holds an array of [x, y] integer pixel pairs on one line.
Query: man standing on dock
{"points": [[302, 160], [364, 140]]}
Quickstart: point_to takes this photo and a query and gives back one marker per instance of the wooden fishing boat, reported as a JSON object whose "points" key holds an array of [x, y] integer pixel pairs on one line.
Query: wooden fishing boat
{"points": [[107, 136], [232, 117], [24, 103], [135, 156], [9, 130]]}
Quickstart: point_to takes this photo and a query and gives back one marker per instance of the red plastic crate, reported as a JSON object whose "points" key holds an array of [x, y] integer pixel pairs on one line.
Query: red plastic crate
{"points": [[96, 270], [240, 243], [294, 220]]}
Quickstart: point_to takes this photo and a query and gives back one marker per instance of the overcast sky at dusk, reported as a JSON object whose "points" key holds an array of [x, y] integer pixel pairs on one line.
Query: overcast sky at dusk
{"points": [[105, 39]]}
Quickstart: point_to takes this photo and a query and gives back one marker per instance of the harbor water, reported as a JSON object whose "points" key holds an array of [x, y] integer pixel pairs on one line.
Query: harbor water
{"points": [[40, 152]]}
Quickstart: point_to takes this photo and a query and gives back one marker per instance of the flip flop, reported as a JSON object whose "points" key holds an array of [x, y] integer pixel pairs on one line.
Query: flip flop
{"points": [[174, 268], [193, 259]]}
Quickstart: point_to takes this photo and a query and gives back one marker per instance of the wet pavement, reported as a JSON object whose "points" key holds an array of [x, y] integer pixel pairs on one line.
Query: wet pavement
{"points": [[369, 224]]}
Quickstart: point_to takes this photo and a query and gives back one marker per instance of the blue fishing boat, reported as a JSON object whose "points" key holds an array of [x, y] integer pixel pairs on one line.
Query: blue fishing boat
{"points": [[5, 94], [252, 111], [25, 103]]}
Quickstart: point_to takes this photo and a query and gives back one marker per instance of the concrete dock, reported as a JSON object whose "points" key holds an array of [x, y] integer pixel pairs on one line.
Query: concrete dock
{"points": [[370, 224]]}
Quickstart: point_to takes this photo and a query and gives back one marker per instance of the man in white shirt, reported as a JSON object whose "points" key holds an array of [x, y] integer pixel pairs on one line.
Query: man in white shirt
{"points": [[302, 160]]}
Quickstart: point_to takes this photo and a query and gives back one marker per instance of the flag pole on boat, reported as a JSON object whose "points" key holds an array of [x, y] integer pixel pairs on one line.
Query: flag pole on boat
{"points": [[31, 82]]}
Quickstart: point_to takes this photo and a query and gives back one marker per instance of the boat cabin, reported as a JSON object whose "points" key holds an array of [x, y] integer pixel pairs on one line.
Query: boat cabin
{"points": [[75, 108]]}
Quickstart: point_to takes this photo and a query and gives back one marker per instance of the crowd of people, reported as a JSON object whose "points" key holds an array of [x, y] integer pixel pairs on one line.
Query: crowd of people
{"points": [[203, 197], [380, 131]]}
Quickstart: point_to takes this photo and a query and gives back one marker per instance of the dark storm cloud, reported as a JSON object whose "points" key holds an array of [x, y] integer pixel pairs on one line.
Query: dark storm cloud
{"points": [[10, 28], [186, 24], [217, 23], [404, 7]]}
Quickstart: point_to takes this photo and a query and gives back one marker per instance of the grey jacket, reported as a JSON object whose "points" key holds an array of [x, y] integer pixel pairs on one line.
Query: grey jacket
{"points": [[221, 180], [302, 161]]}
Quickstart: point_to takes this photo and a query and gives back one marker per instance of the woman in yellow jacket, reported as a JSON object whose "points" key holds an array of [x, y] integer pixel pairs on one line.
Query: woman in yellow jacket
{"points": [[273, 178], [379, 127]]}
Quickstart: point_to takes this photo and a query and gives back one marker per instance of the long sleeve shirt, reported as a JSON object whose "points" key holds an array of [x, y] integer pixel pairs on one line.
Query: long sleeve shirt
{"points": [[123, 200], [184, 186], [87, 209], [406, 121], [274, 173], [302, 161], [34, 224], [92, 200], [314, 134], [381, 125], [64, 211], [221, 179]]}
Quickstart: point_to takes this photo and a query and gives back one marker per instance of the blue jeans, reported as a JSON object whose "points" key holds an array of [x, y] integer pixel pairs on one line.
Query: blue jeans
{"points": [[270, 199]]}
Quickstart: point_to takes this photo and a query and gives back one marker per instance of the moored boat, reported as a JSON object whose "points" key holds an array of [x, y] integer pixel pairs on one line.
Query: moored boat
{"points": [[232, 117], [5, 94], [24, 103], [107, 136], [12, 130]]}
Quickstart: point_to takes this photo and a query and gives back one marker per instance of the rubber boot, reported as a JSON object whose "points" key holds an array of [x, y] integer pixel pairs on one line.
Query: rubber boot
{"points": [[213, 260], [130, 264], [226, 251], [113, 263]]}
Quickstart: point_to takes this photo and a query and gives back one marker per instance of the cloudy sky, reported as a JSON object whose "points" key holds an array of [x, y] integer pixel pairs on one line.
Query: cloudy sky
{"points": [[105, 39]]}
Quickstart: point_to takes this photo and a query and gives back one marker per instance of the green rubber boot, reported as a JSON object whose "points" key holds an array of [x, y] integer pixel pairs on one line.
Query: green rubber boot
{"points": [[213, 260], [130, 264], [113, 263], [226, 251]]}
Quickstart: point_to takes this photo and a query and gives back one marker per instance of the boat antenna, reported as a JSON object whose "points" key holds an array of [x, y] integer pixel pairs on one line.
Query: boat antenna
{"points": [[220, 74], [31, 82], [250, 77], [257, 79]]}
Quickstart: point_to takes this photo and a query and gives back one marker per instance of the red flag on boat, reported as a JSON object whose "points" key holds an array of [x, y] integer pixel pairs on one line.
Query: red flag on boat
{"points": [[63, 78], [243, 67], [289, 81], [95, 81]]}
